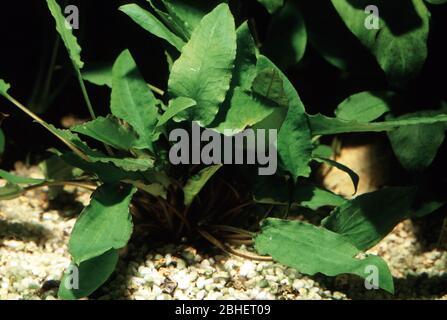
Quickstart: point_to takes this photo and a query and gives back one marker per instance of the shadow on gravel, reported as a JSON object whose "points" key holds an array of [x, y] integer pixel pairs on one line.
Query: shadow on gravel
{"points": [[23, 231]]}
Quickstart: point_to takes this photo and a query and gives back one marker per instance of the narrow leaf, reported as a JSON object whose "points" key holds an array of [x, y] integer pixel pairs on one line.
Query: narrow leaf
{"points": [[197, 182]]}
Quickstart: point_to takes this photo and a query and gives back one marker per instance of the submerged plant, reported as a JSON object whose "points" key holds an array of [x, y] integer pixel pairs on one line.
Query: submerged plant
{"points": [[221, 81]]}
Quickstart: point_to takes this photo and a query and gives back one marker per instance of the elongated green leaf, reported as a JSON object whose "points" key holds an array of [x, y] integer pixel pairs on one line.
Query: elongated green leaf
{"points": [[367, 219], [65, 31], [197, 182], [80, 282], [311, 250], [18, 180], [150, 23], [436, 1], [10, 191], [400, 46], [287, 37], [175, 107], [4, 87], [354, 176], [364, 106], [203, 71], [416, 146], [322, 125], [104, 224], [132, 100], [271, 5], [109, 131]]}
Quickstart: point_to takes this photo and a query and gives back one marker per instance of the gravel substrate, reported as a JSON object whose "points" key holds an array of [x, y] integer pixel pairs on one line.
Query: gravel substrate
{"points": [[33, 254]]}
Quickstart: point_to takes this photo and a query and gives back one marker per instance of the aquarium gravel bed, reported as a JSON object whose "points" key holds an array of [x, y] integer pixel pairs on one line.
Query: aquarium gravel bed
{"points": [[34, 234]]}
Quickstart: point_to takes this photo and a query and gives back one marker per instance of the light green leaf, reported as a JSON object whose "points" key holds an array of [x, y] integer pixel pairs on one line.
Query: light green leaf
{"points": [[132, 100], [4, 87], [150, 23], [416, 146], [272, 5], [10, 191], [18, 180], [364, 106], [203, 71], [312, 250], [197, 182], [400, 46], [367, 219], [91, 275], [104, 224], [175, 106], [65, 31], [287, 37], [100, 75], [110, 131], [322, 125], [436, 1], [354, 176], [245, 63]]}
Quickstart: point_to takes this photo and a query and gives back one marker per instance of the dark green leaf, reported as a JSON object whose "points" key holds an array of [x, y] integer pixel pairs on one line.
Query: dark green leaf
{"points": [[197, 182], [268, 84], [313, 250], [354, 176], [272, 5], [104, 224]]}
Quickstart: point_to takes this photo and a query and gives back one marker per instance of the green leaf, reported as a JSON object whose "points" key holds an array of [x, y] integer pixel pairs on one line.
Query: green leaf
{"points": [[354, 176], [364, 106], [313, 197], [175, 107], [203, 71], [132, 100], [287, 37], [268, 84], [367, 219], [150, 23], [65, 31], [312, 250], [399, 46], [416, 146], [244, 110], [10, 191], [245, 63], [272, 5], [18, 180], [91, 274], [436, 1], [322, 125], [54, 168], [4, 87], [110, 131], [104, 224], [197, 182], [100, 75]]}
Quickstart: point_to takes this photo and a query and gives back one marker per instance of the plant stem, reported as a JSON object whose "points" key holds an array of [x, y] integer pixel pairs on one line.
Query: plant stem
{"points": [[156, 90], [85, 94]]}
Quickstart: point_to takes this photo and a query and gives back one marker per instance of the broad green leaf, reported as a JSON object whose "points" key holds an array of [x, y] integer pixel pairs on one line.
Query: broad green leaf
{"points": [[245, 110], [322, 151], [132, 100], [104, 224], [203, 71], [150, 23], [367, 219], [100, 75], [54, 168], [312, 250], [272, 5], [287, 37], [65, 31], [354, 176], [197, 182], [90, 274], [268, 84], [245, 63], [2, 141], [18, 180], [175, 107], [322, 125], [4, 87], [110, 131], [10, 191], [364, 106], [399, 46], [154, 189], [416, 146], [313, 197]]}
